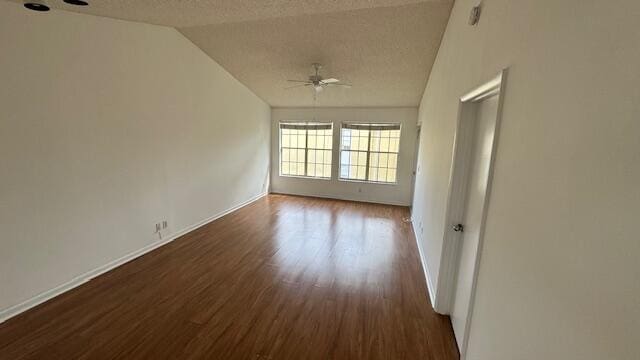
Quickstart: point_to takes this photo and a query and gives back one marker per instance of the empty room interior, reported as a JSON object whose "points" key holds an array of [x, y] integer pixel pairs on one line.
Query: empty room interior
{"points": [[320, 179]]}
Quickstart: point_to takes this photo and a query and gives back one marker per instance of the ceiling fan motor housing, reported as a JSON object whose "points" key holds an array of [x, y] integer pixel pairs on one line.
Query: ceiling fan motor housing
{"points": [[315, 78]]}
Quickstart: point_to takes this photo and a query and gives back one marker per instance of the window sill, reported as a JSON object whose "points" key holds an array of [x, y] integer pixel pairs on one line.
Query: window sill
{"points": [[368, 182], [304, 177]]}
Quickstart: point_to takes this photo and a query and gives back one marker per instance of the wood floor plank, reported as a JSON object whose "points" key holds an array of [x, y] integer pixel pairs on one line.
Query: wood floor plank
{"points": [[284, 278]]}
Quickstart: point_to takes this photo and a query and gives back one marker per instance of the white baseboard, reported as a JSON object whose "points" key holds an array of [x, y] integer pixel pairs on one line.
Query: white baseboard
{"points": [[423, 261], [14, 310], [344, 198]]}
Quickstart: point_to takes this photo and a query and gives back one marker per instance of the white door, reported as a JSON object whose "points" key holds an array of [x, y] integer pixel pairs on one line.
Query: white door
{"points": [[486, 111]]}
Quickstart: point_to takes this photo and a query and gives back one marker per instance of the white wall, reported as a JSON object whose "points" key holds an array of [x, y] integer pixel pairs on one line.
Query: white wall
{"points": [[560, 273], [106, 128], [397, 194]]}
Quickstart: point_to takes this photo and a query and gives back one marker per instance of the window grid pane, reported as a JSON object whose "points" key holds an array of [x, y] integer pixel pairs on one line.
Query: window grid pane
{"points": [[383, 161], [302, 146], [375, 150]]}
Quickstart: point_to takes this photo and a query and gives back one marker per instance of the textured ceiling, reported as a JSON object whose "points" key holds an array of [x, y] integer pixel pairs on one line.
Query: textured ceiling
{"points": [[181, 13], [386, 53], [385, 48]]}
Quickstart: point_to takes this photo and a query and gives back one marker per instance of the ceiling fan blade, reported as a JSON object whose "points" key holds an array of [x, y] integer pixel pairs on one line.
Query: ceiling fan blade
{"points": [[300, 81], [295, 86], [329, 81], [343, 85]]}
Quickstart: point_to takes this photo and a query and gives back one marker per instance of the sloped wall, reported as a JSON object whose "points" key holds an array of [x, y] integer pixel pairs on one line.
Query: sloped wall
{"points": [[106, 128]]}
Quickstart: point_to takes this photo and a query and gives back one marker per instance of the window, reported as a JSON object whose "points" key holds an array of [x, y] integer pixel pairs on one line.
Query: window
{"points": [[369, 152], [305, 149]]}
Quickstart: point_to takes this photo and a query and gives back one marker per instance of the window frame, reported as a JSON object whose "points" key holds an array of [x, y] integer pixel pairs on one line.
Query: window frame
{"points": [[303, 123], [368, 152]]}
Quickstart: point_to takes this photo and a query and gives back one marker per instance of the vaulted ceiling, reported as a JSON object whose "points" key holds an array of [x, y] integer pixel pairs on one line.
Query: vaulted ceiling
{"points": [[385, 48]]}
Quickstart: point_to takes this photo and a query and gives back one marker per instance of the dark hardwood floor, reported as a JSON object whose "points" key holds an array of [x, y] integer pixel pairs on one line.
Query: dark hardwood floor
{"points": [[283, 278]]}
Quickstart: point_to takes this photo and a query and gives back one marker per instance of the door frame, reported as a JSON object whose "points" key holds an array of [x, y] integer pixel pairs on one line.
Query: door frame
{"points": [[458, 181], [414, 170]]}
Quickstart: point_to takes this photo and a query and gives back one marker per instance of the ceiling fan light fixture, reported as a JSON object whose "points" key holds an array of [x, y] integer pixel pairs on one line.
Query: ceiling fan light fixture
{"points": [[36, 6], [77, 2]]}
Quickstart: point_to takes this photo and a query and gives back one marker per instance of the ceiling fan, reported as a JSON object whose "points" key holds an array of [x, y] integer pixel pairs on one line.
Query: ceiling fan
{"points": [[317, 81]]}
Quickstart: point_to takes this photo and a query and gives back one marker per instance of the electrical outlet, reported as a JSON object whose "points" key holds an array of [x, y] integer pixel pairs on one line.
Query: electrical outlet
{"points": [[164, 224]]}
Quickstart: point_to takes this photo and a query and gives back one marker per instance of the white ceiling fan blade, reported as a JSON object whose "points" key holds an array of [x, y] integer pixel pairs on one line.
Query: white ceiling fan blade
{"points": [[329, 81], [295, 86], [342, 85]]}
